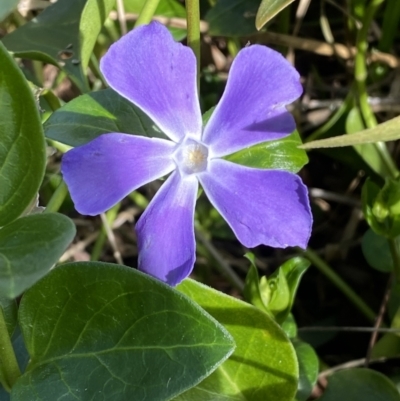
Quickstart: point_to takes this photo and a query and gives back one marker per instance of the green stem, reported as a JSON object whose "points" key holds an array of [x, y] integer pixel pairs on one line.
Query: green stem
{"points": [[193, 31], [111, 215], [9, 368], [58, 198], [147, 13], [325, 269], [361, 73], [394, 250]]}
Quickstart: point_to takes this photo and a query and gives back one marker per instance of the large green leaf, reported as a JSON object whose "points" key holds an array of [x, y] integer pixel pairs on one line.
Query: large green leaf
{"points": [[233, 17], [96, 113], [282, 154], [263, 366], [387, 131], [268, 9], [29, 247], [10, 310], [6, 7], [101, 331], [360, 385], [63, 34], [22, 146]]}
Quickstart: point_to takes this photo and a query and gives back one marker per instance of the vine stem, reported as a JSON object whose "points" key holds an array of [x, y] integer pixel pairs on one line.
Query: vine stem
{"points": [[360, 75], [193, 31], [325, 269], [9, 369], [57, 198], [147, 12]]}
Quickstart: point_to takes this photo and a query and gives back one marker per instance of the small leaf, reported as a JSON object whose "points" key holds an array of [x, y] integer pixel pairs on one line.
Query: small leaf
{"points": [[232, 17], [22, 150], [103, 331], [263, 352], [289, 326], [376, 251], [387, 131], [268, 9], [308, 369], [6, 7], [29, 247], [88, 116], [282, 154], [360, 385], [280, 293], [63, 34]]}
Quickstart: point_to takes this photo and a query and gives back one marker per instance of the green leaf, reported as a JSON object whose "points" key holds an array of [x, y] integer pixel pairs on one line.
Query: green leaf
{"points": [[63, 34], [29, 247], [6, 7], [88, 116], [22, 150], [387, 131], [282, 154], [252, 291], [10, 310], [376, 251], [360, 385], [289, 326], [165, 8], [268, 9], [368, 151], [101, 330], [232, 18], [263, 366], [308, 369]]}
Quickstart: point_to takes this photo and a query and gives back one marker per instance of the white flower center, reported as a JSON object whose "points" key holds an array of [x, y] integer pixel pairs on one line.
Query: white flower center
{"points": [[191, 156]]}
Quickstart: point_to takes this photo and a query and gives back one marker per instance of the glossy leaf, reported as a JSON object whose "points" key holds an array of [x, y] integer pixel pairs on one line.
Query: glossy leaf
{"points": [[22, 150], [101, 330], [63, 34], [376, 251], [308, 369], [29, 247], [10, 310], [232, 17], [282, 154], [88, 116], [263, 366], [6, 7], [387, 131], [360, 385], [165, 8], [268, 9]]}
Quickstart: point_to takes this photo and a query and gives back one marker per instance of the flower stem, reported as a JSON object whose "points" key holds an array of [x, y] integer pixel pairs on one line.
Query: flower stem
{"points": [[9, 369], [147, 13], [325, 269], [360, 75], [58, 198], [193, 31]]}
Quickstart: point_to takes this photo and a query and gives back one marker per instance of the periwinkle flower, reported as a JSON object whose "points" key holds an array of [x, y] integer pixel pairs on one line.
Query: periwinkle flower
{"points": [[158, 75]]}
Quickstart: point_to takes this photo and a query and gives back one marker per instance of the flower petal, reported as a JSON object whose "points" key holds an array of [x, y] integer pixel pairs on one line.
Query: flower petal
{"points": [[158, 75], [165, 231], [105, 170], [252, 109], [267, 207]]}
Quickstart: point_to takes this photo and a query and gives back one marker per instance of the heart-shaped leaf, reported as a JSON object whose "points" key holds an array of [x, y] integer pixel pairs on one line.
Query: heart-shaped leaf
{"points": [[263, 366], [102, 331], [22, 150], [88, 116], [63, 34], [29, 247]]}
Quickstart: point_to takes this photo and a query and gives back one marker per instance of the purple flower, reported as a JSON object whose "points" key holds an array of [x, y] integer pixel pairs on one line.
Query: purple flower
{"points": [[158, 75]]}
